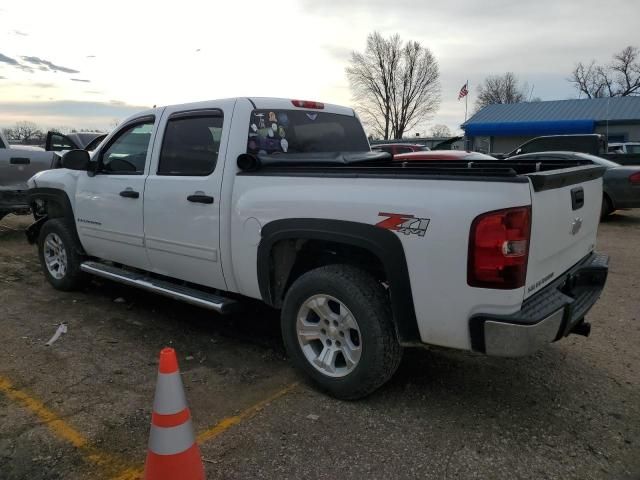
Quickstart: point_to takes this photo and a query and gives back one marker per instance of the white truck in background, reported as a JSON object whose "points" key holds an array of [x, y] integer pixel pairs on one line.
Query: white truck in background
{"points": [[18, 163], [283, 201]]}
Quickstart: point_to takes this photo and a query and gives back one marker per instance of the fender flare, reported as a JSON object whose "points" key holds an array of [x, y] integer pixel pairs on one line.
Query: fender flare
{"points": [[63, 210], [384, 244]]}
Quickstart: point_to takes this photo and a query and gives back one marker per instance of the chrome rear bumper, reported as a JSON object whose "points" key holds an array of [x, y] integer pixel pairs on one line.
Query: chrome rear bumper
{"points": [[549, 315]]}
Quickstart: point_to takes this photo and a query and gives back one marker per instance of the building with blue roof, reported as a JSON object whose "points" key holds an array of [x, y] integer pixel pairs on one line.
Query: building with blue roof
{"points": [[502, 127]]}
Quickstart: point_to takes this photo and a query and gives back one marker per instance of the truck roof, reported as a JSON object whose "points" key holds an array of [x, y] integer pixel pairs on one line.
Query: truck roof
{"points": [[261, 103]]}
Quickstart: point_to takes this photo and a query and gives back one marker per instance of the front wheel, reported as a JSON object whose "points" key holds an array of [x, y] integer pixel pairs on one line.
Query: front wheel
{"points": [[59, 255], [338, 329]]}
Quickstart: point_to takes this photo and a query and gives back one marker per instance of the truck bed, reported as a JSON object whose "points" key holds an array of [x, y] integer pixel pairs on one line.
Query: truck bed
{"points": [[544, 174]]}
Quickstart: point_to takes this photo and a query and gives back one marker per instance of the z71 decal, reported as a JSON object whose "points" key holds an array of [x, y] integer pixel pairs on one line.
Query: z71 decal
{"points": [[403, 223]]}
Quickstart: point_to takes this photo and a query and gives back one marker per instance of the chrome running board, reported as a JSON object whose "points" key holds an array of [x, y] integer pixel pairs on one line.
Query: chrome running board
{"points": [[162, 287]]}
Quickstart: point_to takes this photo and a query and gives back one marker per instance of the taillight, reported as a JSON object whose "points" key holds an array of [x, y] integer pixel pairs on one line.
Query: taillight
{"points": [[635, 178], [308, 104], [499, 249]]}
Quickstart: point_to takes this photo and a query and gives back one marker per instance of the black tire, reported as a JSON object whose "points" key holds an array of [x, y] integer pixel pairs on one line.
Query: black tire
{"points": [[607, 207], [73, 277], [368, 302]]}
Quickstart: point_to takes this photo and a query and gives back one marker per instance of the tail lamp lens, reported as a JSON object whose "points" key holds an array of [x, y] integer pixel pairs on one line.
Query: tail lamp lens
{"points": [[635, 178], [499, 249]]}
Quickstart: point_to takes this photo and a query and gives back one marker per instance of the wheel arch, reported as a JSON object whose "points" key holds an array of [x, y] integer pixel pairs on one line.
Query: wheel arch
{"points": [[49, 203], [283, 242]]}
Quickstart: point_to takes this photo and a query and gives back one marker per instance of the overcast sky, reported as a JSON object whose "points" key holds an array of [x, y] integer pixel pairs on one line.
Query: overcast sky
{"points": [[70, 63]]}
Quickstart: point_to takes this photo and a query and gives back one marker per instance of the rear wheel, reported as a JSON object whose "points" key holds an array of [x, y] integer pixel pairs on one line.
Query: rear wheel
{"points": [[337, 327], [59, 255], [607, 207]]}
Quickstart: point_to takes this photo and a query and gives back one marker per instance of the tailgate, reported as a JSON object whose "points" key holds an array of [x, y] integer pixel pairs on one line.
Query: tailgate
{"points": [[565, 208]]}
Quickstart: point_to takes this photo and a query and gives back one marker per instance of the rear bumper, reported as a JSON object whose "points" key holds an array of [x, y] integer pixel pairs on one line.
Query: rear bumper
{"points": [[545, 317]]}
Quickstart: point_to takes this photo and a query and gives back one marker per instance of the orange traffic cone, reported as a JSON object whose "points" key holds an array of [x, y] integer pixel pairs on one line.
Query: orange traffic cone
{"points": [[173, 453]]}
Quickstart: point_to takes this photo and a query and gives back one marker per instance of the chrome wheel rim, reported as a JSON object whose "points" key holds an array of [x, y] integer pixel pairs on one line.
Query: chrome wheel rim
{"points": [[329, 335], [55, 256]]}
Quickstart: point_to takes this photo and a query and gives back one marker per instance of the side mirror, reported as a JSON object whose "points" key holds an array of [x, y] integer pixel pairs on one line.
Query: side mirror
{"points": [[76, 160]]}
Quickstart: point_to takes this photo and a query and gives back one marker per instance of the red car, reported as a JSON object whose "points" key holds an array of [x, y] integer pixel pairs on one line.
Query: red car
{"points": [[438, 155], [399, 148]]}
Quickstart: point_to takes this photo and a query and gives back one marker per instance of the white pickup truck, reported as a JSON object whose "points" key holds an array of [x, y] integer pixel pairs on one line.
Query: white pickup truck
{"points": [[283, 201]]}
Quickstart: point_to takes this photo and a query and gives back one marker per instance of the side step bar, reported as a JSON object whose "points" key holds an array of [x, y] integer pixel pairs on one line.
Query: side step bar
{"points": [[162, 287]]}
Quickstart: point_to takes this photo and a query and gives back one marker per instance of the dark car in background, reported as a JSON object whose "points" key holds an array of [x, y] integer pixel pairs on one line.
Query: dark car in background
{"points": [[58, 142], [621, 183], [592, 143]]}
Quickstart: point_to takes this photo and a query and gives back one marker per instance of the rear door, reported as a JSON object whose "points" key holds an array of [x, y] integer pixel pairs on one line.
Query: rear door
{"points": [[182, 196], [565, 216]]}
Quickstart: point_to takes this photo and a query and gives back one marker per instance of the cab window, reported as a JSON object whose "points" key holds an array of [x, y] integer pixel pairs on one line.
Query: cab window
{"points": [[127, 153], [190, 146]]}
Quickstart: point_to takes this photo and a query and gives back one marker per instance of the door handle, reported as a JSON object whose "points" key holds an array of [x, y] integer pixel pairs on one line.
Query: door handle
{"points": [[129, 194], [19, 161], [197, 198]]}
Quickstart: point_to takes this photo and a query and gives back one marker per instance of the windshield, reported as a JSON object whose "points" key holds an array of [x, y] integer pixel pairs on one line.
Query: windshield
{"points": [[298, 131]]}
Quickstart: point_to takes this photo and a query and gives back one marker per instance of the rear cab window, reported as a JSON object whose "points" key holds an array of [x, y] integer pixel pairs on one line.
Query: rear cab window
{"points": [[277, 132]]}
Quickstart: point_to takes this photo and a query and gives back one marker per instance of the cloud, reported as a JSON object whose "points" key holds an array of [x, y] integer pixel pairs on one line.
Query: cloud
{"points": [[67, 112], [42, 85], [80, 80], [91, 56], [47, 65], [8, 60], [2, 78], [14, 63], [22, 34], [342, 54]]}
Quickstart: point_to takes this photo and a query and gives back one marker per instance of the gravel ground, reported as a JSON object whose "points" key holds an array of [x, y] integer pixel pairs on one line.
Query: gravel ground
{"points": [[572, 411]]}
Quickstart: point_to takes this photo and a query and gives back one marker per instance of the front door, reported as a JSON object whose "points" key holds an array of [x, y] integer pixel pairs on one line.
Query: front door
{"points": [[182, 196], [109, 204]]}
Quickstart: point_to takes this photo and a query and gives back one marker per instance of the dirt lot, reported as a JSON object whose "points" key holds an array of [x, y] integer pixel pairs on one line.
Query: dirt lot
{"points": [[81, 408]]}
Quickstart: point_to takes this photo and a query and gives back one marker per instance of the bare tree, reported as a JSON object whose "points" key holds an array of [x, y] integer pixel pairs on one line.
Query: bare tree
{"points": [[501, 89], [440, 131], [23, 132], [395, 84], [620, 78]]}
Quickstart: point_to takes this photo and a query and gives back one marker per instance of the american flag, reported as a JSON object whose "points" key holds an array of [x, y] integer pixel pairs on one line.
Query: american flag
{"points": [[463, 91]]}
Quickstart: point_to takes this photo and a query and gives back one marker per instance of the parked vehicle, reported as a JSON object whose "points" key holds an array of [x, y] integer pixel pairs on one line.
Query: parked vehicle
{"points": [[627, 148], [398, 148], [436, 155], [283, 201], [594, 144], [17, 164], [621, 184], [58, 142]]}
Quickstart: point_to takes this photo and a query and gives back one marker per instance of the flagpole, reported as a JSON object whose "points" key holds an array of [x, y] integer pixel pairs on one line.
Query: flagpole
{"points": [[465, 101]]}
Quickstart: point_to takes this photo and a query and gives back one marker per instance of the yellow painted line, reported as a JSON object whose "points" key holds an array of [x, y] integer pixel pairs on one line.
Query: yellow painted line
{"points": [[60, 428], [219, 428], [226, 423]]}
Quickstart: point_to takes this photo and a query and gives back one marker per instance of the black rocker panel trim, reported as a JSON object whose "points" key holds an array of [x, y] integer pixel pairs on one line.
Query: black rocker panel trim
{"points": [[385, 245]]}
